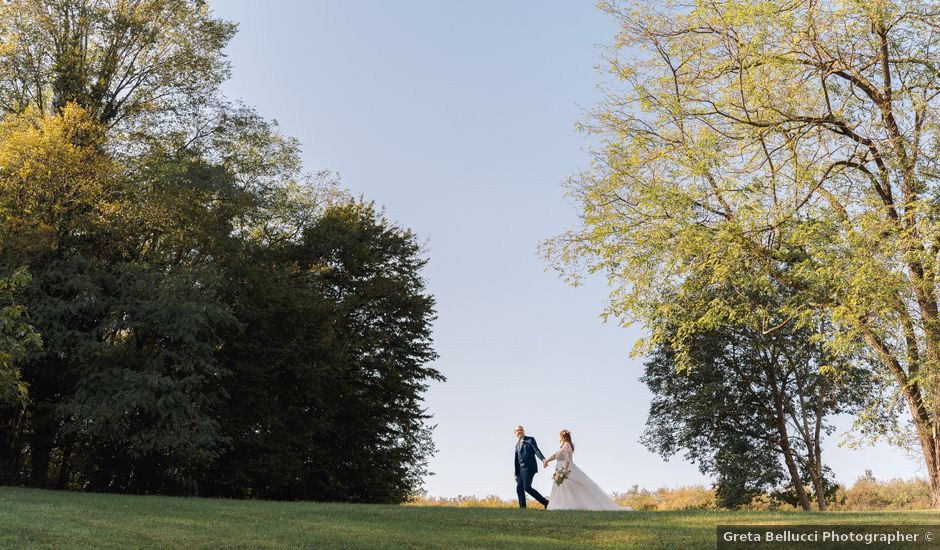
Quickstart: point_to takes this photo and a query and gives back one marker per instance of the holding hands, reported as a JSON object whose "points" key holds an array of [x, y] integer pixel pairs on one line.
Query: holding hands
{"points": [[547, 460]]}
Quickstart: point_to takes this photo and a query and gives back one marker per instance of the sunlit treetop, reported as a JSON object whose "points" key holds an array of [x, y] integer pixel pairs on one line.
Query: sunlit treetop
{"points": [[116, 58]]}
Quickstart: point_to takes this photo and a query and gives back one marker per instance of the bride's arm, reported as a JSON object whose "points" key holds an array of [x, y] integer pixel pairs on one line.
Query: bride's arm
{"points": [[567, 456], [549, 459]]}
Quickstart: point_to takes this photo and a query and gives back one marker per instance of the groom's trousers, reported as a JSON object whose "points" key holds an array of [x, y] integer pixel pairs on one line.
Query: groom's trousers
{"points": [[524, 485]]}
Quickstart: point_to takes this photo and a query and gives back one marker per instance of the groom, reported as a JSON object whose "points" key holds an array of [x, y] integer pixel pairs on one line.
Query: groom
{"points": [[526, 451]]}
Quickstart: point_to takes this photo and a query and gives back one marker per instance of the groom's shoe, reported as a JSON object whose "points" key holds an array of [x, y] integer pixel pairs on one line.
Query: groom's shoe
{"points": [[546, 505]]}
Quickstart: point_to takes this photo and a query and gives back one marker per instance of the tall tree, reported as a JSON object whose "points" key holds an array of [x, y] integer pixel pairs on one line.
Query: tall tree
{"points": [[752, 408], [58, 193], [371, 270], [328, 372], [797, 140]]}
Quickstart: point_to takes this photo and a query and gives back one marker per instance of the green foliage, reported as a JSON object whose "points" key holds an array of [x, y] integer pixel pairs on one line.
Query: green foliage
{"points": [[371, 271], [141, 414], [742, 394], [117, 60], [329, 370], [750, 143], [716, 415], [17, 339], [214, 320]]}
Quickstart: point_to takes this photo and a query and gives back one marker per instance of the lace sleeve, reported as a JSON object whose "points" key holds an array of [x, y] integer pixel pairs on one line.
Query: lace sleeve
{"points": [[564, 455]]}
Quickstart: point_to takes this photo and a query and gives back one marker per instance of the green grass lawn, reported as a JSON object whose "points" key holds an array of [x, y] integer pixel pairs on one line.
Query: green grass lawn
{"points": [[47, 519]]}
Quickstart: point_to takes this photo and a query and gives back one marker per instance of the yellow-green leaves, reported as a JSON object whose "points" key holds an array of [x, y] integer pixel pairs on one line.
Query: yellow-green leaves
{"points": [[748, 144], [56, 181]]}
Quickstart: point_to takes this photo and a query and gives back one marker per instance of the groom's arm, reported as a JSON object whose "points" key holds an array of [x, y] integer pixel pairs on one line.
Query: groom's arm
{"points": [[538, 452]]}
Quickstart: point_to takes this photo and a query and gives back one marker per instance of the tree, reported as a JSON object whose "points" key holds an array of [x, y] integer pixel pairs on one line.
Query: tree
{"points": [[371, 271], [797, 141], [752, 408], [106, 192], [214, 319], [119, 61], [58, 193], [141, 415], [328, 373]]}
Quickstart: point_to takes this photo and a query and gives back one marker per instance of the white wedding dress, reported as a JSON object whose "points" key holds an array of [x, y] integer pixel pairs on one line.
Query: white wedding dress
{"points": [[578, 491]]}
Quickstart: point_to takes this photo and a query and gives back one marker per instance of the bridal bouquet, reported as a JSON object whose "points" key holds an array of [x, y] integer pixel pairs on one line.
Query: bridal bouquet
{"points": [[560, 476]]}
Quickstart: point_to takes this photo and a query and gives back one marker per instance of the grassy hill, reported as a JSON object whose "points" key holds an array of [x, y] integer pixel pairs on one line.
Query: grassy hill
{"points": [[46, 519]]}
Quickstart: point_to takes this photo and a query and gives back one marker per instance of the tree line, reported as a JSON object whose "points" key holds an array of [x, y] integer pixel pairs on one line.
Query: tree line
{"points": [[184, 309]]}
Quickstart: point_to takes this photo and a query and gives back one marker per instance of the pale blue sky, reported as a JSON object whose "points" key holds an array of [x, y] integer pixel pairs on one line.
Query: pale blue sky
{"points": [[459, 118]]}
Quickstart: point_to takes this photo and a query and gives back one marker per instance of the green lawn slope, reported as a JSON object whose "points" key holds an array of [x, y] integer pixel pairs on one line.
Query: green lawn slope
{"points": [[47, 519]]}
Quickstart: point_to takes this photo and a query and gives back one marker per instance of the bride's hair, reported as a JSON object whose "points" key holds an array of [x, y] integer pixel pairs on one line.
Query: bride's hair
{"points": [[565, 436]]}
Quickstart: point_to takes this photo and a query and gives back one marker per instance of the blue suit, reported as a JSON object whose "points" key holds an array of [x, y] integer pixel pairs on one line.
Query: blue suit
{"points": [[526, 468]]}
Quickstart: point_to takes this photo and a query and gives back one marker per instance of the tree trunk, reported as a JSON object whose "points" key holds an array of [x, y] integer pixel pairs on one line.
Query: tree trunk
{"points": [[926, 434], [40, 451], [925, 426], [41, 444], [823, 390], [11, 449], [818, 487], [794, 474], [812, 463], [788, 457], [65, 469]]}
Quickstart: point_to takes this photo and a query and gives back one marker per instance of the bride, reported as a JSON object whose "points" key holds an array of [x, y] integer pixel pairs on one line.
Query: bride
{"points": [[573, 489]]}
